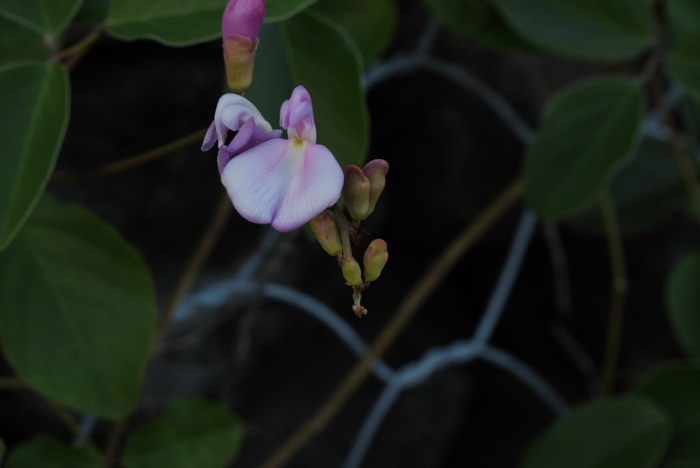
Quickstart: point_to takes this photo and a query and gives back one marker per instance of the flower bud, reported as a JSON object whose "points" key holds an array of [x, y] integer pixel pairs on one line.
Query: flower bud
{"points": [[375, 171], [356, 192], [375, 258], [326, 232], [351, 271], [239, 28]]}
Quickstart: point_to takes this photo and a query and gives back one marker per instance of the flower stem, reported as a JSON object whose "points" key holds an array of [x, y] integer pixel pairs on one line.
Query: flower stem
{"points": [[344, 227], [617, 294], [425, 286]]}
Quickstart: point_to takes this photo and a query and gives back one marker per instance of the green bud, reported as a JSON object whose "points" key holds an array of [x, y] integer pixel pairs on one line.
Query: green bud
{"points": [[375, 171], [239, 58], [351, 271], [376, 257], [356, 192], [326, 232]]}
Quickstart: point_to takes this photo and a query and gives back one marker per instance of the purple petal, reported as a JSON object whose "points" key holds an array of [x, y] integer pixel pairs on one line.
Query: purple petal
{"points": [[283, 182], [209, 138], [247, 137], [243, 17], [297, 116], [232, 111]]}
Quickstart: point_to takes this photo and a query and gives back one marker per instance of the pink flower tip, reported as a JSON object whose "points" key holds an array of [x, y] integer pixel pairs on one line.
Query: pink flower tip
{"points": [[243, 18]]}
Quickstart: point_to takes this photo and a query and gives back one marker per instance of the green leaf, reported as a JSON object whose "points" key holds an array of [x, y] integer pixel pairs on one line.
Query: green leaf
{"points": [[683, 300], [480, 20], [629, 432], [323, 59], [684, 64], [190, 433], [33, 118], [77, 310], [675, 387], [182, 22], [683, 17], [46, 451], [370, 23], [44, 16], [19, 45], [644, 191], [93, 12], [589, 130], [586, 29]]}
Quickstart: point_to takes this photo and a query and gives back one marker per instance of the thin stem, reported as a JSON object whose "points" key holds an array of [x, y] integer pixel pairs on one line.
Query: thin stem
{"points": [[113, 443], [344, 229], [80, 47], [617, 294], [680, 151], [133, 161], [426, 285], [11, 383]]}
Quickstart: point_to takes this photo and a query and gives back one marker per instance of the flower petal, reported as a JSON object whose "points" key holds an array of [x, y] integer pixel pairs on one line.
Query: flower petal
{"points": [[297, 116], [247, 137], [232, 111], [209, 138]]}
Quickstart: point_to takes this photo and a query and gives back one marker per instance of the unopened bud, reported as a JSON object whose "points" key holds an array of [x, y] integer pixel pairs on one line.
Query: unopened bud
{"points": [[356, 192], [240, 24], [326, 232], [375, 258], [351, 271], [375, 171]]}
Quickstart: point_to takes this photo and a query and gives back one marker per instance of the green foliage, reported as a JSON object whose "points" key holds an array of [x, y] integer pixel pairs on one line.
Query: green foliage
{"points": [[70, 283], [45, 451], [44, 16], [182, 22], [684, 63], [683, 17], [33, 120], [585, 29], [190, 433], [19, 45], [588, 131], [323, 58], [370, 23], [481, 20], [683, 299], [2, 450], [93, 11], [644, 191], [675, 387], [628, 432]]}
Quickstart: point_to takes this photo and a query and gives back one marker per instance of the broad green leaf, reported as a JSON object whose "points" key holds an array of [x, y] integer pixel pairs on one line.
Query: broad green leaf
{"points": [[588, 131], [77, 310], [683, 17], [190, 433], [644, 191], [182, 22], [323, 59], [46, 451], [370, 23], [93, 11], [675, 387], [684, 63], [480, 20], [683, 301], [586, 29], [19, 45], [33, 118], [44, 16], [629, 432]]}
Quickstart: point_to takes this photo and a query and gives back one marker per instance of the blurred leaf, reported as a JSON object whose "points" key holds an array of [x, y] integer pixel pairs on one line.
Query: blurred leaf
{"points": [[643, 191], [481, 20], [323, 59], [588, 131], [190, 433], [683, 17], [182, 22], [33, 119], [77, 313], [45, 451], [675, 387], [272, 84], [629, 432], [585, 29], [93, 11], [370, 23], [684, 64], [44, 16], [19, 45], [683, 300], [2, 450]]}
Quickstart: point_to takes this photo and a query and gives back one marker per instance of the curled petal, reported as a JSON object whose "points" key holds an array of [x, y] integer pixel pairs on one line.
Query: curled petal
{"points": [[248, 136], [283, 182], [297, 116], [209, 138], [232, 111]]}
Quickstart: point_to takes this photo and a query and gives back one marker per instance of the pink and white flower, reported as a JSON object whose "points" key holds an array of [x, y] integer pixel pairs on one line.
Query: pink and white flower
{"points": [[271, 180]]}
